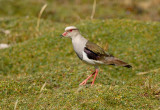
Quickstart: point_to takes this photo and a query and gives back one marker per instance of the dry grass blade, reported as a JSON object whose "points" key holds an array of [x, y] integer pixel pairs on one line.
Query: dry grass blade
{"points": [[43, 87], [142, 73], [40, 14], [39, 96], [94, 9], [15, 104]]}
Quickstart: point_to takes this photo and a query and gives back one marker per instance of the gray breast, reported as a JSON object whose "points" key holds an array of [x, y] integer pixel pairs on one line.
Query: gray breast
{"points": [[79, 43]]}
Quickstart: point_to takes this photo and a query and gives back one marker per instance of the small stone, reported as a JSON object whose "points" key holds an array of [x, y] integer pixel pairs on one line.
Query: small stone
{"points": [[3, 46]]}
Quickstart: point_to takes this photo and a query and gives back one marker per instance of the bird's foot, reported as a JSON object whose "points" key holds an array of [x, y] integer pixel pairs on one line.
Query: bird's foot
{"points": [[83, 83]]}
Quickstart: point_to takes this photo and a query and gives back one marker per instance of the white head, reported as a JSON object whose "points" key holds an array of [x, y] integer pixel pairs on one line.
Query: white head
{"points": [[70, 31]]}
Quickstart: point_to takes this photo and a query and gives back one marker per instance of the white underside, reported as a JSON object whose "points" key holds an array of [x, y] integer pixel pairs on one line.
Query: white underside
{"points": [[90, 61]]}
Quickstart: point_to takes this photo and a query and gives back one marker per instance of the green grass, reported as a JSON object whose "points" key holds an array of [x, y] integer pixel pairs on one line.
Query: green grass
{"points": [[40, 70], [38, 58], [76, 10]]}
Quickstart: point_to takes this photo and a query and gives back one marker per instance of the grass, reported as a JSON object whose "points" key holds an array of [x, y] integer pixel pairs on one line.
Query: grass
{"points": [[75, 10], [41, 71]]}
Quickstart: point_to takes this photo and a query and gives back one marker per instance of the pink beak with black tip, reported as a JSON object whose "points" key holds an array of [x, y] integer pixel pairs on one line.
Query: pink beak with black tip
{"points": [[64, 34]]}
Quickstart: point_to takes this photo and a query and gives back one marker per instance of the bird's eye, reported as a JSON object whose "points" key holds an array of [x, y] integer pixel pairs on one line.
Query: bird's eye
{"points": [[70, 30]]}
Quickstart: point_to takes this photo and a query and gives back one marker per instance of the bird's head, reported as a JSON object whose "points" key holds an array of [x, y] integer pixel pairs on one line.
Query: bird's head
{"points": [[70, 31]]}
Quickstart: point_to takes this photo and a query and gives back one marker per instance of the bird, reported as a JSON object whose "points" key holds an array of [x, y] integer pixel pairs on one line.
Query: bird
{"points": [[90, 53]]}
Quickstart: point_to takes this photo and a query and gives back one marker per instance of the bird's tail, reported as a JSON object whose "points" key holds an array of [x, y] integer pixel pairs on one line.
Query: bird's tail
{"points": [[116, 62]]}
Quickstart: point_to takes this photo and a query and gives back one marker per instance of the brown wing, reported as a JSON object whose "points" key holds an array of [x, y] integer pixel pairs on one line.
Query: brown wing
{"points": [[95, 52]]}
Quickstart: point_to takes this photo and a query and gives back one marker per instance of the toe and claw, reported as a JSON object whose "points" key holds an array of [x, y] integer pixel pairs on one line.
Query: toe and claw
{"points": [[85, 81]]}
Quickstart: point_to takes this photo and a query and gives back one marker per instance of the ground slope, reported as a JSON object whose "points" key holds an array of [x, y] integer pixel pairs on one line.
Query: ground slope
{"points": [[40, 69]]}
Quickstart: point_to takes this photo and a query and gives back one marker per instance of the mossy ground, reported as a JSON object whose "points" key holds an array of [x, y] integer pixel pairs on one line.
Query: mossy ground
{"points": [[40, 70], [47, 60]]}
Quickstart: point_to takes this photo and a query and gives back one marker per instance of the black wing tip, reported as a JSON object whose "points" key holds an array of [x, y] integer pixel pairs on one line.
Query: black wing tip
{"points": [[128, 66]]}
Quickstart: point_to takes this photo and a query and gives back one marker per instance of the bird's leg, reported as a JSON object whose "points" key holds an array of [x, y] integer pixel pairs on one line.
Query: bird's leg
{"points": [[96, 72], [85, 81]]}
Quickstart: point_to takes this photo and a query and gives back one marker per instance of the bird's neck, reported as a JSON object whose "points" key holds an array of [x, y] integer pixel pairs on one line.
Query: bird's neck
{"points": [[78, 39]]}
